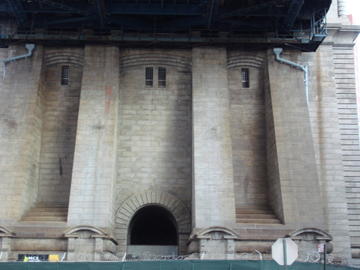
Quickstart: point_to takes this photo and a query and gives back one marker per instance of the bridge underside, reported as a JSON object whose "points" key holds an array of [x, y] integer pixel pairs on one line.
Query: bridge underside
{"points": [[297, 23]]}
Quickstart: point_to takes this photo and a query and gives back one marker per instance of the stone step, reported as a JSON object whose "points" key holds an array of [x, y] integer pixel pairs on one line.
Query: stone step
{"points": [[44, 218], [49, 210], [258, 221], [253, 211], [54, 213], [33, 228], [51, 206], [256, 216], [46, 213]]}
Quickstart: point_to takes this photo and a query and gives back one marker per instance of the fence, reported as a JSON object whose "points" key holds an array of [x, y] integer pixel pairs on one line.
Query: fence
{"points": [[169, 265]]}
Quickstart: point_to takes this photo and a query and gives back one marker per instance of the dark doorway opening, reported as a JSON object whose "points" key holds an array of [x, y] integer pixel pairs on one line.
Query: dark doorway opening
{"points": [[153, 225]]}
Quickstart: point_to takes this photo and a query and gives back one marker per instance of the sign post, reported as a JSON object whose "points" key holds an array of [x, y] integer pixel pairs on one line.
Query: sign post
{"points": [[284, 251], [322, 249]]}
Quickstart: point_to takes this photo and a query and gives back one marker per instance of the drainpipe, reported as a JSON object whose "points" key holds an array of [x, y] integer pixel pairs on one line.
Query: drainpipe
{"points": [[277, 52], [29, 48], [260, 254]]}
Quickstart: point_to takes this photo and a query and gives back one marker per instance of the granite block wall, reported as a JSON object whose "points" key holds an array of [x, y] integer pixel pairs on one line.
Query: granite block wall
{"points": [[326, 132], [344, 73], [93, 177], [299, 182], [213, 181], [272, 165], [60, 112], [20, 132], [202, 143], [154, 125], [248, 125]]}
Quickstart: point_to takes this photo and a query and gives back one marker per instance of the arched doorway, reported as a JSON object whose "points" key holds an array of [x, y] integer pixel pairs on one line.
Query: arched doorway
{"points": [[152, 232]]}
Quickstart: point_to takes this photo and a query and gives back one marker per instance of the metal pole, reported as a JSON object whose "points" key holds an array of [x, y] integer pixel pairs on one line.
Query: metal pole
{"points": [[324, 256], [284, 252]]}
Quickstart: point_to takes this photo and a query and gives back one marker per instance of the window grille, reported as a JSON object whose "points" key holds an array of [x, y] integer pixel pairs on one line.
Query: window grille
{"points": [[162, 77], [149, 76], [64, 75], [245, 77]]}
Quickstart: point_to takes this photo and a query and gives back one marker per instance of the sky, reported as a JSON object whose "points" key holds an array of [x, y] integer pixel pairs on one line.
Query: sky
{"points": [[353, 7]]}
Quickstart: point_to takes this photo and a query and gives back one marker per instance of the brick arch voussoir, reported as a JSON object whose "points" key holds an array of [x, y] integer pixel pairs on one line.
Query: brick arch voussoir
{"points": [[131, 205]]}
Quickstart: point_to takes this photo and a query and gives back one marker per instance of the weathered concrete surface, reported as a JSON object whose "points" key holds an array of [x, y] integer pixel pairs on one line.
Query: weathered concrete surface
{"points": [[213, 182], [248, 126], [20, 133], [202, 142], [154, 123], [92, 188], [154, 139], [60, 114], [326, 132], [300, 188]]}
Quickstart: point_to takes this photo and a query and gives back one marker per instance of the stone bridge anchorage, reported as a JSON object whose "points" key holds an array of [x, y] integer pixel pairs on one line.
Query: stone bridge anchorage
{"points": [[134, 139]]}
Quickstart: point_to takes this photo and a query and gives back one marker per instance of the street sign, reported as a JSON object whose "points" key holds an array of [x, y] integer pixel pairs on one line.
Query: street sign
{"points": [[321, 248], [284, 251]]}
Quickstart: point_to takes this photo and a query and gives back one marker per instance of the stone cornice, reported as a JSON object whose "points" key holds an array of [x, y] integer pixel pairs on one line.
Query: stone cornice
{"points": [[342, 35]]}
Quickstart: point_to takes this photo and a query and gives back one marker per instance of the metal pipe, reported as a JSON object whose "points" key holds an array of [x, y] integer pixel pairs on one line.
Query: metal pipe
{"points": [[29, 47], [124, 257], [305, 69], [63, 257], [260, 254]]}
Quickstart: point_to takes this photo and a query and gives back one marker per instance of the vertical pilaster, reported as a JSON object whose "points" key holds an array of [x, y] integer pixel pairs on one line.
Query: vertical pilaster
{"points": [[20, 132], [298, 178], [213, 187], [329, 127], [91, 197]]}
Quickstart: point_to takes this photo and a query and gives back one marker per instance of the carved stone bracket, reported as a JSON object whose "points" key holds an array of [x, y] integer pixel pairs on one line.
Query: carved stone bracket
{"points": [[5, 243], [309, 241], [88, 243], [214, 243]]}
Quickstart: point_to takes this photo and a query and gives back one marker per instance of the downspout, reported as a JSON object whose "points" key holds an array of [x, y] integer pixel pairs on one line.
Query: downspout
{"points": [[29, 47], [277, 52]]}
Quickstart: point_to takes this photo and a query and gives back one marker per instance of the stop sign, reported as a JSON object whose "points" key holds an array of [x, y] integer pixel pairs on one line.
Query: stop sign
{"points": [[287, 246]]}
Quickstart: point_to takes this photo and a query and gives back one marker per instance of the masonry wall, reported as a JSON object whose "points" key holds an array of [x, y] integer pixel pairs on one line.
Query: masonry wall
{"points": [[60, 113], [248, 125], [344, 71], [326, 132], [213, 182], [92, 184], [20, 132], [299, 181], [134, 145], [154, 125], [273, 177]]}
